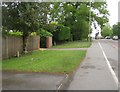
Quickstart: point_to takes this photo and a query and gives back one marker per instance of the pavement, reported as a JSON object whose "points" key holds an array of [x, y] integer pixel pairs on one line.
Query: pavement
{"points": [[30, 81], [67, 49], [94, 73], [110, 48]]}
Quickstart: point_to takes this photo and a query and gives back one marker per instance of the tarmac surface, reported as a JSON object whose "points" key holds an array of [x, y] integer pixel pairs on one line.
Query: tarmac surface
{"points": [[30, 81], [94, 73]]}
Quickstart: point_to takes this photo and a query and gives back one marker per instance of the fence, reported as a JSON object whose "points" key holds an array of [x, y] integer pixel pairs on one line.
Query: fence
{"points": [[11, 45]]}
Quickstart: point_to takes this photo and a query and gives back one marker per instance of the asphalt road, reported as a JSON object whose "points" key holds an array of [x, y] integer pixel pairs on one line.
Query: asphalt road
{"points": [[110, 48], [95, 72]]}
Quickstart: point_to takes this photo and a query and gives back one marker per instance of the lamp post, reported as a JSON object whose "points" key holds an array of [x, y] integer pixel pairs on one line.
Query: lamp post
{"points": [[89, 20]]}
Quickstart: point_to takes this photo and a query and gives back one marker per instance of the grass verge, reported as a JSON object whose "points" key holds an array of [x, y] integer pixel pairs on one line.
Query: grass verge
{"points": [[45, 61], [74, 44]]}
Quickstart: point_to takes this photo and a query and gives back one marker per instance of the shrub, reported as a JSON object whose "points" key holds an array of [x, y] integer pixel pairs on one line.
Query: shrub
{"points": [[33, 34], [44, 33], [64, 33], [17, 33]]}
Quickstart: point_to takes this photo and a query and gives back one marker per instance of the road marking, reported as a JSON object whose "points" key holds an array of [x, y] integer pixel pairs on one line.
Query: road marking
{"points": [[61, 84], [59, 87], [111, 70]]}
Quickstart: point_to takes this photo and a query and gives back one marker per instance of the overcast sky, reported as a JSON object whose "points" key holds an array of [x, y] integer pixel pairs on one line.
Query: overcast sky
{"points": [[113, 10], [113, 18]]}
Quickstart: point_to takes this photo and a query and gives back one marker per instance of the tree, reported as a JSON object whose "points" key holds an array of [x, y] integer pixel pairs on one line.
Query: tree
{"points": [[26, 17], [107, 31], [99, 13], [76, 16], [69, 14], [116, 29]]}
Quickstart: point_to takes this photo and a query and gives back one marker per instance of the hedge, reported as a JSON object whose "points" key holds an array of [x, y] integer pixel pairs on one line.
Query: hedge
{"points": [[64, 33]]}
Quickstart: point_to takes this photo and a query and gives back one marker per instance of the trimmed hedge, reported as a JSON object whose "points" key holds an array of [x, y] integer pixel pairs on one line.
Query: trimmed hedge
{"points": [[64, 33]]}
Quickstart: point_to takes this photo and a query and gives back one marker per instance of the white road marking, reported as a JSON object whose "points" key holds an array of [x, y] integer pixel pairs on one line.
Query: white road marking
{"points": [[61, 83], [111, 70], [59, 87]]}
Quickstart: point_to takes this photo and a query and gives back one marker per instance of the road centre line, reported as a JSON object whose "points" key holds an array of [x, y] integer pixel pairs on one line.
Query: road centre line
{"points": [[108, 63]]}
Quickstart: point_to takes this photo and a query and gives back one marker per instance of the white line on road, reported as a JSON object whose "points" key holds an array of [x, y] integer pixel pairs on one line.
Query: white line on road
{"points": [[111, 70], [59, 87], [61, 84]]}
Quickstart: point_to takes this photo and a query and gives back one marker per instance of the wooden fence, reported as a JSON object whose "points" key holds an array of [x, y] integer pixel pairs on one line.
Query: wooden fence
{"points": [[12, 45]]}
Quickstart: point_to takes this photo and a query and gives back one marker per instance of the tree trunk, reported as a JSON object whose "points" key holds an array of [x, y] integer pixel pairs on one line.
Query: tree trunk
{"points": [[25, 38]]}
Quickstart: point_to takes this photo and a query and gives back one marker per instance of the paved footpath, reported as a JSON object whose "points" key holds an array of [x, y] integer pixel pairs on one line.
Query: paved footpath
{"points": [[94, 73]]}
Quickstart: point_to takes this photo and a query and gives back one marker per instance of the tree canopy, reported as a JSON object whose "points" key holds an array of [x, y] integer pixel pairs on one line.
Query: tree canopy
{"points": [[28, 17], [116, 29], [76, 15], [107, 31]]}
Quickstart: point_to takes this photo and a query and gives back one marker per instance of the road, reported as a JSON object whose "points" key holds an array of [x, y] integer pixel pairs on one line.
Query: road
{"points": [[93, 73], [30, 81], [99, 70], [110, 47]]}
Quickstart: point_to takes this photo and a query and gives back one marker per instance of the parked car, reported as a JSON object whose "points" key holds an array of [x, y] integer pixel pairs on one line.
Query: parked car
{"points": [[115, 38], [107, 37]]}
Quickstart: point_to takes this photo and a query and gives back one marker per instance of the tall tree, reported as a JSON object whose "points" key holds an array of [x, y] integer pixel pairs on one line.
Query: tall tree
{"points": [[99, 13], [107, 30], [77, 14], [26, 17], [116, 29]]}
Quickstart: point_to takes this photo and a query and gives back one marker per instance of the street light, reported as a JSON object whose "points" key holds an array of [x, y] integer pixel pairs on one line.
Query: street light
{"points": [[89, 20]]}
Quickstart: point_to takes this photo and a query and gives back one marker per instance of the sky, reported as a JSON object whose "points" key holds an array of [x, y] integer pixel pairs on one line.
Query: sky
{"points": [[113, 10], [113, 18]]}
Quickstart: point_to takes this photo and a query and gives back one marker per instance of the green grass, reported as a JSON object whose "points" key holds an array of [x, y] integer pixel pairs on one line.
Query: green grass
{"points": [[45, 61], [75, 44]]}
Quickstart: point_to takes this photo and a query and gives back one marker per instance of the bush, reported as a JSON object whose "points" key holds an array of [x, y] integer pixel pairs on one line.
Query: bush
{"points": [[44, 33], [64, 33], [33, 34], [17, 33]]}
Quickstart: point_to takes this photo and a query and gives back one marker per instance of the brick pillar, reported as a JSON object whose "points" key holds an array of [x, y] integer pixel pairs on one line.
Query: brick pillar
{"points": [[39, 42], [48, 42]]}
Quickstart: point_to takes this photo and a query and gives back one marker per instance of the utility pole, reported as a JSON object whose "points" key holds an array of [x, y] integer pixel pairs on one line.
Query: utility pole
{"points": [[89, 21]]}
